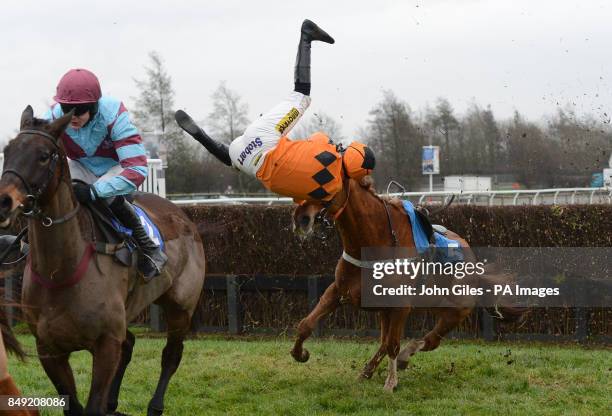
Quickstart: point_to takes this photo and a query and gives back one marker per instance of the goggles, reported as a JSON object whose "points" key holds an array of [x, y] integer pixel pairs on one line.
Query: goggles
{"points": [[79, 109]]}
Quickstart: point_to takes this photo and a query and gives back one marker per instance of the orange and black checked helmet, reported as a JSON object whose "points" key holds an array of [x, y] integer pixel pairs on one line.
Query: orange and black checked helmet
{"points": [[358, 160]]}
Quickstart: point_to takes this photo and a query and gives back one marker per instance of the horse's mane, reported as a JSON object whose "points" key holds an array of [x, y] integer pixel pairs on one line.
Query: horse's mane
{"points": [[38, 123], [367, 183]]}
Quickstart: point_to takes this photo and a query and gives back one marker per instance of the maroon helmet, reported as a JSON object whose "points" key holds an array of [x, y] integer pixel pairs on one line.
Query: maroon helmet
{"points": [[78, 86]]}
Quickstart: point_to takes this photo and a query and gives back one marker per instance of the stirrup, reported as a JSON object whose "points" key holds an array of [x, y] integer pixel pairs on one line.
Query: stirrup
{"points": [[148, 267]]}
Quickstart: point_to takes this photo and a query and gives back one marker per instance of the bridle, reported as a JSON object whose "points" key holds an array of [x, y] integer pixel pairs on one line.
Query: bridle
{"points": [[324, 215], [34, 194]]}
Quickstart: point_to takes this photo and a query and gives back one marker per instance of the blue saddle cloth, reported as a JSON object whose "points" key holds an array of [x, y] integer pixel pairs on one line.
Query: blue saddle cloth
{"points": [[148, 225], [447, 250]]}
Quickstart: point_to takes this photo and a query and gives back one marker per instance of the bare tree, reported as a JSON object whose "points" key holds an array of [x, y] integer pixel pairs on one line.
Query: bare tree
{"points": [[154, 115], [155, 104], [444, 128], [228, 119], [395, 139]]}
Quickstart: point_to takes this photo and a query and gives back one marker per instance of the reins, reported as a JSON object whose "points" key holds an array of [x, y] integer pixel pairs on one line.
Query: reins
{"points": [[10, 247]]}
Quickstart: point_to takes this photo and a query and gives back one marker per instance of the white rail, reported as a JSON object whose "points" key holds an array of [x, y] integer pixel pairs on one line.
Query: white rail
{"points": [[551, 196], [156, 183], [156, 180]]}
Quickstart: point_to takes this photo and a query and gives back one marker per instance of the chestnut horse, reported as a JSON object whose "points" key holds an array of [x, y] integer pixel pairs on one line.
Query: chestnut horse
{"points": [[363, 219], [8, 343], [76, 299]]}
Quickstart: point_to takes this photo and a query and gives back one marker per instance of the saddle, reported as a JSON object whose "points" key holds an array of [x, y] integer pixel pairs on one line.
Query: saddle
{"points": [[113, 238], [108, 235], [430, 239], [426, 225]]}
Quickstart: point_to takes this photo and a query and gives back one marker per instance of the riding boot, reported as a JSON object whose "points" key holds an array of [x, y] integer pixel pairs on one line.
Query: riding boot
{"points": [[218, 149], [151, 258], [310, 32]]}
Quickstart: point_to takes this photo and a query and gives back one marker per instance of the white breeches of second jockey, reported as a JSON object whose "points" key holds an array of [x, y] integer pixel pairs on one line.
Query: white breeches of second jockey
{"points": [[80, 173], [248, 151]]}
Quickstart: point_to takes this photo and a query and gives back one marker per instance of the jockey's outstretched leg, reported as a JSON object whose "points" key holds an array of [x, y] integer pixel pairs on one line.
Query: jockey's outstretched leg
{"points": [[246, 152]]}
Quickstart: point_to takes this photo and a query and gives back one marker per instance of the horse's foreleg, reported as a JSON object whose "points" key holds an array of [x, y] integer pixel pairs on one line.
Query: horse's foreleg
{"points": [[59, 372], [106, 355], [409, 350], [126, 356], [448, 319], [368, 369], [330, 300], [178, 321], [397, 320]]}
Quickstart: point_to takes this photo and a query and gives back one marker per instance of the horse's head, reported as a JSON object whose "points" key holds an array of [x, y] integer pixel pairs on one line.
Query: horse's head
{"points": [[33, 162], [310, 218]]}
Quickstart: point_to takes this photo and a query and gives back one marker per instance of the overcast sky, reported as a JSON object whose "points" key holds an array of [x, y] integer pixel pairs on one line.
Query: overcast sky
{"points": [[533, 56]]}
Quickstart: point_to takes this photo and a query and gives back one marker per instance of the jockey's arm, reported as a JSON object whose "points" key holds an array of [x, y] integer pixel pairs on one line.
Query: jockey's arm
{"points": [[132, 157]]}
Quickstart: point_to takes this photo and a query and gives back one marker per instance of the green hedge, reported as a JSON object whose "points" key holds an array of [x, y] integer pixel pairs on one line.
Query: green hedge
{"points": [[255, 239]]}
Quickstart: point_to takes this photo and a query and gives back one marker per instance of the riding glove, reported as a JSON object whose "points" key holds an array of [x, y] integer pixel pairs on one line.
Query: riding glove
{"points": [[84, 192]]}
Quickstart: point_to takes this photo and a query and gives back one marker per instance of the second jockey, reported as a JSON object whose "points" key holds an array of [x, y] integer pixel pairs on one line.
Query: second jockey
{"points": [[309, 169], [105, 155]]}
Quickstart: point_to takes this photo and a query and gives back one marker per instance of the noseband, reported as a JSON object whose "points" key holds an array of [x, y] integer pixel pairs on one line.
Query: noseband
{"points": [[35, 193]]}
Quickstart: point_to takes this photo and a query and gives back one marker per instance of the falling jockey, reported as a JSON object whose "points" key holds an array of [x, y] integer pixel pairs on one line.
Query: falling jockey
{"points": [[308, 169], [105, 156]]}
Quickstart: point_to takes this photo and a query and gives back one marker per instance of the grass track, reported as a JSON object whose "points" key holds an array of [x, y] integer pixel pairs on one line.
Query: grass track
{"points": [[247, 376]]}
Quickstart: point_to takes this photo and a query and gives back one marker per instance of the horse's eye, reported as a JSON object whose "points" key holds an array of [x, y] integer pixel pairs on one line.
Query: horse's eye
{"points": [[44, 158]]}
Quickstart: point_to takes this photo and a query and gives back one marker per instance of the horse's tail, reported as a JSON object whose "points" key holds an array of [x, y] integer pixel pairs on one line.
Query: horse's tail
{"points": [[11, 344]]}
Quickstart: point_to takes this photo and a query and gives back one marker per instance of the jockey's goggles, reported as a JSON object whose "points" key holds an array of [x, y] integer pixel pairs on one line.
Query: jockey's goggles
{"points": [[79, 109]]}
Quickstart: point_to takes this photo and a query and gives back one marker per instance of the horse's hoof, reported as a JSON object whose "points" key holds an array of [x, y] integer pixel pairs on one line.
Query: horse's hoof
{"points": [[390, 385], [301, 358], [390, 388], [402, 365], [365, 375], [413, 347]]}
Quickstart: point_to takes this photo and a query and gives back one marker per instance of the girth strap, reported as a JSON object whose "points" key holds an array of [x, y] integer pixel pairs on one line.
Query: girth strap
{"points": [[368, 264], [107, 248]]}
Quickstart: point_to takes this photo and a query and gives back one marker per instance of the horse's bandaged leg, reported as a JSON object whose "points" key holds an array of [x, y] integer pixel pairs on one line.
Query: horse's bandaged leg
{"points": [[391, 381], [409, 350]]}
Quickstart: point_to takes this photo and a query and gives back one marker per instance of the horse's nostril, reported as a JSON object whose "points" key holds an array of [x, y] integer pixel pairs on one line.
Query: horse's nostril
{"points": [[6, 202], [304, 220]]}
